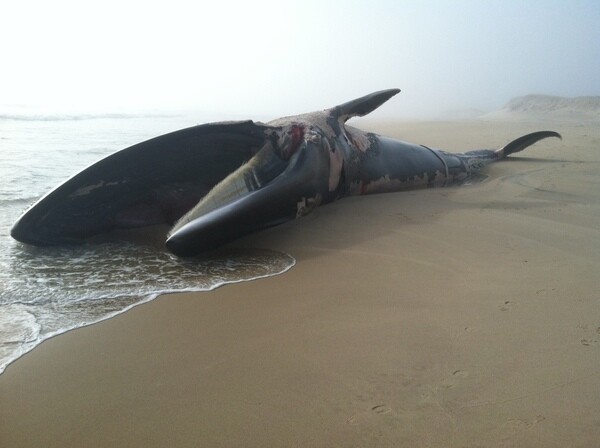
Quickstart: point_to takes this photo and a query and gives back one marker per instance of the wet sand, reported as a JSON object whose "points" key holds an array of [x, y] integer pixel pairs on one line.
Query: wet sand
{"points": [[458, 317]]}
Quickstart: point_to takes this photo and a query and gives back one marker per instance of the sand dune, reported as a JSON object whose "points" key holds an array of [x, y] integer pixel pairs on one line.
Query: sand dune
{"points": [[548, 103], [545, 107]]}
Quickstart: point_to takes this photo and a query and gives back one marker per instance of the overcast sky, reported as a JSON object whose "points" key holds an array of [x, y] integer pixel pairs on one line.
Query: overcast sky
{"points": [[271, 58]]}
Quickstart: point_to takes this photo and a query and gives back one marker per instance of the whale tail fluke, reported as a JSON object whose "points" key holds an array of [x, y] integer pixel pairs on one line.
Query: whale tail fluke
{"points": [[523, 142]]}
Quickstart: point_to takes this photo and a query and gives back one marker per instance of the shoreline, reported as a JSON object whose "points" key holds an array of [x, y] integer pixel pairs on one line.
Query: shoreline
{"points": [[142, 300], [462, 316]]}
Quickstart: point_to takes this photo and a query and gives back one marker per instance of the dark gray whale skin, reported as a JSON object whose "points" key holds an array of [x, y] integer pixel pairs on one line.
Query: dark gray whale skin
{"points": [[219, 181]]}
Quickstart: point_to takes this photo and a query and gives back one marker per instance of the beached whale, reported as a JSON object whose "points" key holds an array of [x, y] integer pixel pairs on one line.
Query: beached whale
{"points": [[219, 181]]}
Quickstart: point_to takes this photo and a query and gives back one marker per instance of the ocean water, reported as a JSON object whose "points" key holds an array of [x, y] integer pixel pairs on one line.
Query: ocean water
{"points": [[47, 291]]}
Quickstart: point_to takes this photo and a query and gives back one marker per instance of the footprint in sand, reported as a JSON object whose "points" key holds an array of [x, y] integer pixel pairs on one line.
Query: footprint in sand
{"points": [[591, 337], [366, 416], [454, 379], [544, 292], [507, 305], [460, 373], [381, 409], [518, 424]]}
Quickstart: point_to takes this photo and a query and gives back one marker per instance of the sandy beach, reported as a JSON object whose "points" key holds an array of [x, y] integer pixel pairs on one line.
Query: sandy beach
{"points": [[458, 317]]}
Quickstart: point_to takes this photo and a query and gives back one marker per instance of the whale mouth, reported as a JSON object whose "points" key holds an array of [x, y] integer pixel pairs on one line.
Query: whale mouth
{"points": [[253, 175], [262, 193]]}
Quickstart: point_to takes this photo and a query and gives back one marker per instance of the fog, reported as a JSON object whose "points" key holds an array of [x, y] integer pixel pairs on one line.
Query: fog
{"points": [[263, 59]]}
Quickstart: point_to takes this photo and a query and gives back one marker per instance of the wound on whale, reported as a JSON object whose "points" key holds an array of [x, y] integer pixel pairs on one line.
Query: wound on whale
{"points": [[216, 182]]}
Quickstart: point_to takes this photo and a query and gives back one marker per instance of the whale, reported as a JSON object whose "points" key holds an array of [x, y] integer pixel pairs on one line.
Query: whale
{"points": [[216, 182]]}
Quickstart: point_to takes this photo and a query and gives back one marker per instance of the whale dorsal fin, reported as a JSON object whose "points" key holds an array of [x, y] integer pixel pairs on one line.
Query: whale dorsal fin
{"points": [[363, 105]]}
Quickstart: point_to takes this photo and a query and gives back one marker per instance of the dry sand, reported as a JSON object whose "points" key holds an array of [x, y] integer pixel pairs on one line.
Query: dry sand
{"points": [[459, 317]]}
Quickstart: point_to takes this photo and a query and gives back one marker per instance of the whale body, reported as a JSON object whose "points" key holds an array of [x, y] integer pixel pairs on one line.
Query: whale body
{"points": [[219, 181]]}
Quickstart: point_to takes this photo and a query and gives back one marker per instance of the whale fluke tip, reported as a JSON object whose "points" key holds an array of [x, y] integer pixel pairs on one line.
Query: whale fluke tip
{"points": [[527, 140]]}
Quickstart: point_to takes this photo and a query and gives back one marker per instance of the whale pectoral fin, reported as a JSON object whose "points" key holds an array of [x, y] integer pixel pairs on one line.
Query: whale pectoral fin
{"points": [[523, 142], [363, 105]]}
